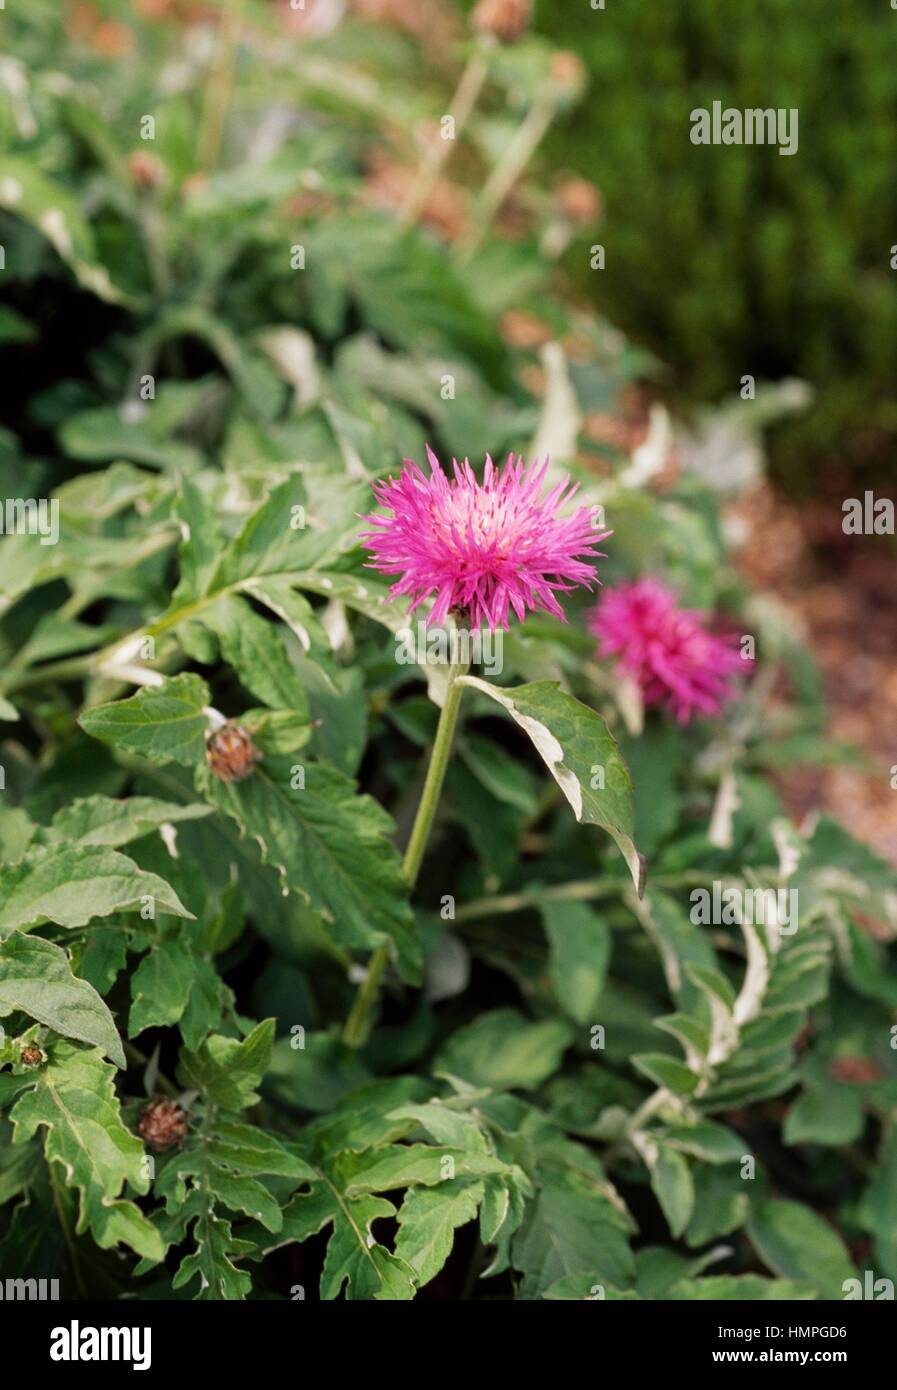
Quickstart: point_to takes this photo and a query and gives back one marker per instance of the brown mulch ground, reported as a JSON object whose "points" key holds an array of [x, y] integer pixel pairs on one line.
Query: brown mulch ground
{"points": [[843, 590]]}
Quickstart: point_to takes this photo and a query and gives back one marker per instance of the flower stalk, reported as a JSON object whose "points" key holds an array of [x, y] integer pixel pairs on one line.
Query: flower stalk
{"points": [[514, 161], [358, 1022], [466, 96]]}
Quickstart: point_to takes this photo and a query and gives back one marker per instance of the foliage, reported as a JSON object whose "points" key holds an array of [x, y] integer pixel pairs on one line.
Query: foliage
{"points": [[562, 1089], [733, 260]]}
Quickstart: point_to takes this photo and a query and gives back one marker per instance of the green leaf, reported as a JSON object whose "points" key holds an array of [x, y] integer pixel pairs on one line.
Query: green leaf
{"points": [[410, 1165], [354, 1260], [201, 543], [746, 1288], [54, 211], [164, 723], [256, 650], [226, 1071], [73, 1099], [212, 1259], [102, 434], [330, 846], [71, 886], [666, 1071], [579, 751], [722, 1207], [579, 951], [272, 543], [160, 986], [8, 712], [502, 1050], [428, 1219], [294, 609], [36, 977], [707, 1141], [797, 1244], [571, 1229], [103, 957], [254, 1151], [877, 1212], [673, 1187], [101, 820], [832, 1115], [224, 1163]]}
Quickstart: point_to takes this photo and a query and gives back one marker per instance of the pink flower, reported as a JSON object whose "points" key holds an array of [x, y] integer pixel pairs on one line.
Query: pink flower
{"points": [[669, 651], [482, 548]]}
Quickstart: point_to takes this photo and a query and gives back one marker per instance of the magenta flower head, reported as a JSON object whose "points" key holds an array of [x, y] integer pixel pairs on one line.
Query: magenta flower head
{"points": [[482, 549], [670, 652]]}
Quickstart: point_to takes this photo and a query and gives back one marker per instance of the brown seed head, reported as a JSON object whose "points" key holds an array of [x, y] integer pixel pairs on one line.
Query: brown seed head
{"points": [[231, 753], [32, 1056], [162, 1124], [507, 20]]}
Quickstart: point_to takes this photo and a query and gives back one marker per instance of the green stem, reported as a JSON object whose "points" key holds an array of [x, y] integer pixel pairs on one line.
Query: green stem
{"points": [[429, 800], [218, 89], [357, 1023], [577, 890]]}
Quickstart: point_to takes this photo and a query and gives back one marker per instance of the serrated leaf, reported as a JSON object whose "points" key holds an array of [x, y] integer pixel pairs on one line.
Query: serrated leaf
{"points": [[101, 820], [160, 986], [72, 1098], [200, 541], [211, 1260], [574, 741], [255, 649], [103, 957], [164, 723], [570, 1229], [274, 542], [354, 1261], [226, 1071], [410, 1165], [428, 1219], [36, 977], [71, 886], [331, 847]]}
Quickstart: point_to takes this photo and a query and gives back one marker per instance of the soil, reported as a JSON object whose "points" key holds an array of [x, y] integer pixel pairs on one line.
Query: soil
{"points": [[842, 589]]}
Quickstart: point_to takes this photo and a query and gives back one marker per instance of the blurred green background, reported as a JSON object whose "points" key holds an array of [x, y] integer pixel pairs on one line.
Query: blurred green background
{"points": [[729, 260]]}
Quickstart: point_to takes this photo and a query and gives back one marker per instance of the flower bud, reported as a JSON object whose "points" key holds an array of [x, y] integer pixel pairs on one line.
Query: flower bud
{"points": [[162, 1124], [231, 753]]}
